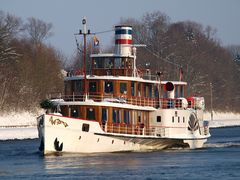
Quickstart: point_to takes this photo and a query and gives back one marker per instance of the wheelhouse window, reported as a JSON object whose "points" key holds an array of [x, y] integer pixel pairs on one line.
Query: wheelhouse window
{"points": [[123, 88], [108, 88], [90, 114], [109, 63], [98, 63], [93, 86], [118, 63]]}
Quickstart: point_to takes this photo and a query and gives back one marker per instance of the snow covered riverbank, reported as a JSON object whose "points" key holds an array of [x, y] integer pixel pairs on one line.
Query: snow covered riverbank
{"points": [[18, 126], [221, 119], [24, 125]]}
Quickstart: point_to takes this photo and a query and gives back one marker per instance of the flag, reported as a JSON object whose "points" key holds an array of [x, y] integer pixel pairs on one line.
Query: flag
{"points": [[95, 41], [181, 74]]}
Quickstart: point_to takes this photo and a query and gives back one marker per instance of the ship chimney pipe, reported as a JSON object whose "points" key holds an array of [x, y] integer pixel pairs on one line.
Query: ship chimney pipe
{"points": [[123, 40]]}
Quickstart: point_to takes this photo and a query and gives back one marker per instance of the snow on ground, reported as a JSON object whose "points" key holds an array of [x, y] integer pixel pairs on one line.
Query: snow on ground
{"points": [[24, 125], [221, 119], [18, 133], [18, 119], [18, 125]]}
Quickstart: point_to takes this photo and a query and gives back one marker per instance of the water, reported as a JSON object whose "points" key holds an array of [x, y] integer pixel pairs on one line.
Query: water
{"points": [[220, 159]]}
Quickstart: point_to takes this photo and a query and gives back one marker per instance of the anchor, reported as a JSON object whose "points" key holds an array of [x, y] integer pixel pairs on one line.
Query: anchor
{"points": [[56, 145]]}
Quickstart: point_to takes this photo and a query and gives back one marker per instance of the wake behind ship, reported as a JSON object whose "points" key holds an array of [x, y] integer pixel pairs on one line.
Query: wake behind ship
{"points": [[119, 108]]}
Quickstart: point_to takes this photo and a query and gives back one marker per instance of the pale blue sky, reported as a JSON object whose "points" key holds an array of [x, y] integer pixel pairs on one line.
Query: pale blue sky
{"points": [[66, 16]]}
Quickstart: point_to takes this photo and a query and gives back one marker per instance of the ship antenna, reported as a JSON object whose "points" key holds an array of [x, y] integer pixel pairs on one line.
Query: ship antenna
{"points": [[134, 49]]}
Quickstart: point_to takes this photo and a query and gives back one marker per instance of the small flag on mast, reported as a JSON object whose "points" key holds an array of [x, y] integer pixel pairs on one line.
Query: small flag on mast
{"points": [[95, 41]]}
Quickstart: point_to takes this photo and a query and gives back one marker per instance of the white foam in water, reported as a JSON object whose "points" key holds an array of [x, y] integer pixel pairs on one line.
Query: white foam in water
{"points": [[221, 145], [24, 125]]}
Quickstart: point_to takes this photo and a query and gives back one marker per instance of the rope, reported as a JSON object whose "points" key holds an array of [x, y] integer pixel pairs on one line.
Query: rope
{"points": [[78, 47], [101, 32]]}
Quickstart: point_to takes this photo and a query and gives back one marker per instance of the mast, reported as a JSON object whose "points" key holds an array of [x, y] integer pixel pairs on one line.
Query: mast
{"points": [[84, 32], [84, 22]]}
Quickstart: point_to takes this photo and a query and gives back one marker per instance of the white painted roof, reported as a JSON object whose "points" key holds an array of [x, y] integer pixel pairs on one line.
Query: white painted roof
{"points": [[126, 78]]}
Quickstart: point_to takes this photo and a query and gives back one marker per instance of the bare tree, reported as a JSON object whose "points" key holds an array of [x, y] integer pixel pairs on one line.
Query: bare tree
{"points": [[9, 26], [38, 30]]}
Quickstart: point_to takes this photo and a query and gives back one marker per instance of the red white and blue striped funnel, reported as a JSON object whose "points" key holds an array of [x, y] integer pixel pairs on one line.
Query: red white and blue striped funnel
{"points": [[123, 40]]}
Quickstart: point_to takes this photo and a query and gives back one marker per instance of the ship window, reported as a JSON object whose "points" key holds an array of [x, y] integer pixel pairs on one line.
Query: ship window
{"points": [[108, 87], [123, 88], [148, 90], [92, 87], [145, 90], [183, 119], [90, 114], [139, 89], [139, 116], [98, 63], [85, 127], [156, 92], [74, 112], [178, 119], [159, 118], [118, 63], [109, 63], [104, 115], [78, 86], [116, 116], [126, 117], [67, 85], [173, 119], [133, 88]]}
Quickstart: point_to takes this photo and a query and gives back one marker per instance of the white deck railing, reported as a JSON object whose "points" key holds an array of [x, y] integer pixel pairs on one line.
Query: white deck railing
{"points": [[164, 103]]}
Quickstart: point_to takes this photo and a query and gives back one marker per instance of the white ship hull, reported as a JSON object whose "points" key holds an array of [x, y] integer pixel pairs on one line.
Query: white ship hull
{"points": [[62, 134]]}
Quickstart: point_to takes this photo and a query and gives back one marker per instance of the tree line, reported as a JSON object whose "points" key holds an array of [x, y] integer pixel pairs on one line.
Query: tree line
{"points": [[31, 69], [194, 49]]}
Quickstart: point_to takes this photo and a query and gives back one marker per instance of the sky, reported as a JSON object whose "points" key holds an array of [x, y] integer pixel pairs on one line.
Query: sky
{"points": [[66, 16]]}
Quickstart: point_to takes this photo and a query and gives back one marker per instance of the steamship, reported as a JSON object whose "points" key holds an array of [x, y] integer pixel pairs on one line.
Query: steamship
{"points": [[118, 108]]}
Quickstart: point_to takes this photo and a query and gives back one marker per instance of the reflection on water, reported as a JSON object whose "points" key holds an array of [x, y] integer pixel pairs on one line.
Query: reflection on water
{"points": [[82, 161]]}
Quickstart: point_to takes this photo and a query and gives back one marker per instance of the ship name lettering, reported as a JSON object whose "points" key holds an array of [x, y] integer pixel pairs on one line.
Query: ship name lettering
{"points": [[57, 122]]}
